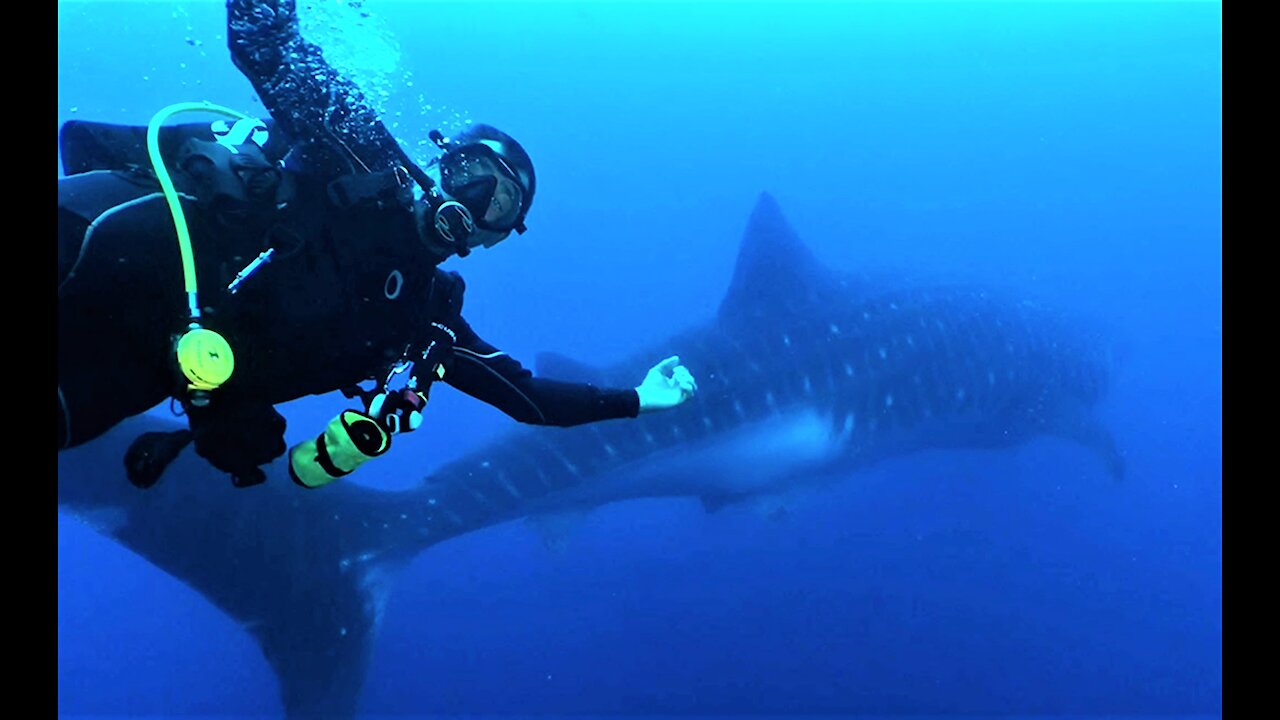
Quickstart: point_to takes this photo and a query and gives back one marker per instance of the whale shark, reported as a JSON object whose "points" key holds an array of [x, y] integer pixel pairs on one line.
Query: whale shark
{"points": [[806, 376]]}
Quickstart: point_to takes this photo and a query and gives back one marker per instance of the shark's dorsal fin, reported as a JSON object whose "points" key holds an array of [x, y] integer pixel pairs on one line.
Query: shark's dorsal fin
{"points": [[776, 272], [561, 367]]}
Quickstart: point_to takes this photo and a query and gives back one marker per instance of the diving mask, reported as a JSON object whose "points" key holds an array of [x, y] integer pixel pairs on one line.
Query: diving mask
{"points": [[485, 184]]}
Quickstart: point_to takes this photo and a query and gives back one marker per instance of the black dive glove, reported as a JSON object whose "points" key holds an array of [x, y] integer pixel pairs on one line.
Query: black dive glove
{"points": [[237, 436]]}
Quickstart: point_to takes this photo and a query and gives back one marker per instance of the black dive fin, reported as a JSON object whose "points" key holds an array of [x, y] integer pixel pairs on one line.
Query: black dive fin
{"points": [[151, 452]]}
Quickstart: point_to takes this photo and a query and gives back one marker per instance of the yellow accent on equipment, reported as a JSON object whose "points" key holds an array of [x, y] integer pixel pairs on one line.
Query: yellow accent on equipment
{"points": [[205, 358], [348, 441], [203, 355]]}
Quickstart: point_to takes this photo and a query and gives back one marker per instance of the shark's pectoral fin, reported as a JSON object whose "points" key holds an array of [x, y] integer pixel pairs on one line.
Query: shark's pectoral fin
{"points": [[555, 528], [716, 503], [774, 506], [1090, 433]]}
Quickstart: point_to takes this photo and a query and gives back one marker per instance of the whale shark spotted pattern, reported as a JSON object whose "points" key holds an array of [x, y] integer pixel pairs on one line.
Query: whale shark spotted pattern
{"points": [[804, 377]]}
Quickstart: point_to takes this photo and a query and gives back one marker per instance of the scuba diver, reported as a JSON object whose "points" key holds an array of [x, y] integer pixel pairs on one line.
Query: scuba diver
{"points": [[307, 247]]}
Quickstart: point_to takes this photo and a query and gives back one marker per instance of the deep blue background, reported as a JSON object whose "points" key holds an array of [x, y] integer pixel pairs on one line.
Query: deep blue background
{"points": [[1071, 149]]}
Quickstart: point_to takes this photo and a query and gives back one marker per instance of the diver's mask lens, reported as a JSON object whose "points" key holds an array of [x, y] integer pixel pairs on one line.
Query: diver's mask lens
{"points": [[478, 178]]}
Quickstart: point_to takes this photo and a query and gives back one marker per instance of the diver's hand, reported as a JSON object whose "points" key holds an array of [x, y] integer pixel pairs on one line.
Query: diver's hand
{"points": [[239, 437], [666, 385], [398, 411]]}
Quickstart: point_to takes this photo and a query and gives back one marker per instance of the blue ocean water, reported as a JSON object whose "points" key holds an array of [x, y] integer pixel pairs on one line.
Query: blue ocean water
{"points": [[1073, 149]]}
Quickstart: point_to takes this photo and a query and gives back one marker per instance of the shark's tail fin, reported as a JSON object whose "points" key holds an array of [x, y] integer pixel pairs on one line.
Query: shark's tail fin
{"points": [[306, 573]]}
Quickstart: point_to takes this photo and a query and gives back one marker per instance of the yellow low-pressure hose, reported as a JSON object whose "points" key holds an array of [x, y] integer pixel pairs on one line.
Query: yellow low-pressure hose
{"points": [[171, 195], [204, 356]]}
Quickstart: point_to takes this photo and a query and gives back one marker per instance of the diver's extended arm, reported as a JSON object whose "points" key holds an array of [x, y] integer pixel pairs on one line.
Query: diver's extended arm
{"points": [[308, 99], [488, 374], [482, 371]]}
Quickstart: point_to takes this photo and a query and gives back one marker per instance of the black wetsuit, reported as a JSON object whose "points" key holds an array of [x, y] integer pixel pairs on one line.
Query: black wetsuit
{"points": [[308, 98], [349, 290]]}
